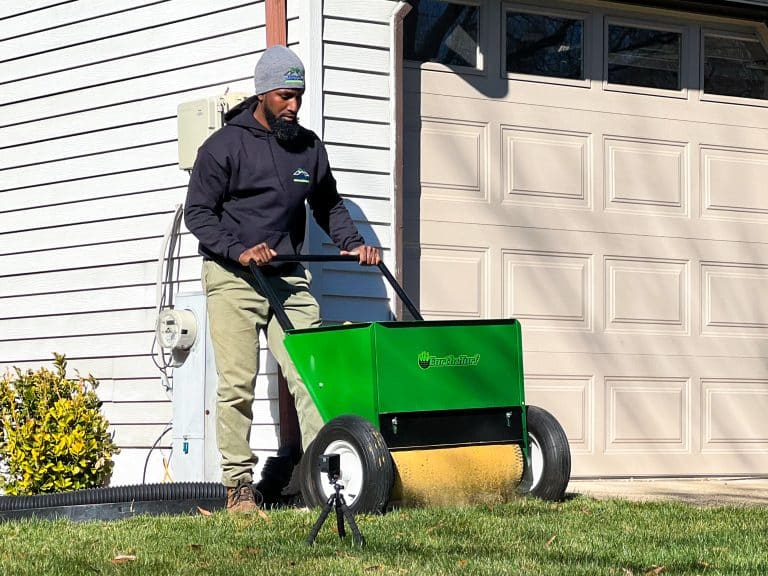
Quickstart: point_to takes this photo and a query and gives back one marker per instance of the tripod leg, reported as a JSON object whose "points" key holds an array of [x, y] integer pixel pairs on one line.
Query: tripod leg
{"points": [[320, 520], [357, 536], [340, 517]]}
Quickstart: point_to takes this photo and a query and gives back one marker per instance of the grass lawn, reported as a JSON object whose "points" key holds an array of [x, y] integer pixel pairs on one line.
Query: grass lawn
{"points": [[580, 536]]}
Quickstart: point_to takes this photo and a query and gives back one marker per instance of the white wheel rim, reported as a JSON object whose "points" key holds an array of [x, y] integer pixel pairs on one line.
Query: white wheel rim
{"points": [[352, 475], [537, 461]]}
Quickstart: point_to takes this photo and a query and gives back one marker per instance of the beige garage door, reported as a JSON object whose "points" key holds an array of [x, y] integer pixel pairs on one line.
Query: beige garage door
{"points": [[601, 174]]}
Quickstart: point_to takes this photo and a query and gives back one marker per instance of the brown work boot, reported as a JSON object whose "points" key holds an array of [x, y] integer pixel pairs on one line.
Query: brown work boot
{"points": [[243, 499]]}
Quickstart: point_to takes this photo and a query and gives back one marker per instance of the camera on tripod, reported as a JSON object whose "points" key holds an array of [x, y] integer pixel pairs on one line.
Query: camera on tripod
{"points": [[331, 465]]}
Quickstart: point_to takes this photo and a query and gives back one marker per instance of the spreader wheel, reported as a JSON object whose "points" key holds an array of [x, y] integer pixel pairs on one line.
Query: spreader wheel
{"points": [[548, 467], [367, 473]]}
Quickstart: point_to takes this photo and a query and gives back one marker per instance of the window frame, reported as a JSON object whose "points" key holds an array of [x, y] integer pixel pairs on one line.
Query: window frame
{"points": [[684, 72], [752, 34], [482, 46], [586, 45]]}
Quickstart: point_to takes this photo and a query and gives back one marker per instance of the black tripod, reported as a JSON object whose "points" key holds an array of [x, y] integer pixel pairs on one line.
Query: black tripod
{"points": [[342, 511]]}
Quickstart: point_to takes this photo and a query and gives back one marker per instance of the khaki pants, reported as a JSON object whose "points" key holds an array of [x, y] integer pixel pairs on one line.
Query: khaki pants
{"points": [[236, 314]]}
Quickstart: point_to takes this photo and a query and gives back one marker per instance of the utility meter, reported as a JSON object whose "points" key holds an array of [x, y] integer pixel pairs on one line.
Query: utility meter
{"points": [[176, 329], [199, 119]]}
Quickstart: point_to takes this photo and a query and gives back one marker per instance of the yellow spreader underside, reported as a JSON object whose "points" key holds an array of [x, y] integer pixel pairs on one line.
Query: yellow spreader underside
{"points": [[459, 475]]}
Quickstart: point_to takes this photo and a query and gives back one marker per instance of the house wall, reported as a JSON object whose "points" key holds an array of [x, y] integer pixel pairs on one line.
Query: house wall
{"points": [[356, 129], [89, 181]]}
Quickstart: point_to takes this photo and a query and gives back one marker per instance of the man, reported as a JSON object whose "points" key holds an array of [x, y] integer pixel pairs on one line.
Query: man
{"points": [[245, 203]]}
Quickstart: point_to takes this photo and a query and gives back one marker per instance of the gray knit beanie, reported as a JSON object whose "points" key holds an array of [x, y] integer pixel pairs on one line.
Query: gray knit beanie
{"points": [[277, 68]]}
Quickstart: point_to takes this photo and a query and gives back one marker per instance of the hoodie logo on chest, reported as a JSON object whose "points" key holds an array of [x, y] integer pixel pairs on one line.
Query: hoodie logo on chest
{"points": [[301, 176]]}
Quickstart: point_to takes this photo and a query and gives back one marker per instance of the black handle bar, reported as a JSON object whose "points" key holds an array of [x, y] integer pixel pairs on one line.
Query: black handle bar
{"points": [[277, 307]]}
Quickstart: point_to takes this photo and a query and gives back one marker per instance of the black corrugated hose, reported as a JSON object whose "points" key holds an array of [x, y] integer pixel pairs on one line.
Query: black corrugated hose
{"points": [[117, 501]]}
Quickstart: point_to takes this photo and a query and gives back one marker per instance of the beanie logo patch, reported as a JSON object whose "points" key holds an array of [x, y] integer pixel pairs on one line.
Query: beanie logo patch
{"points": [[295, 75], [301, 176]]}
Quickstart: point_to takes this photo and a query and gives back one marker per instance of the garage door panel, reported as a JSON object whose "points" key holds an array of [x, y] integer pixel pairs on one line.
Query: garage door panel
{"points": [[596, 292], [625, 230], [548, 290], [456, 166], [553, 342], [734, 183], [646, 414], [454, 281], [631, 415], [647, 176], [733, 300], [733, 415], [569, 398], [647, 295], [469, 89], [608, 173], [546, 167], [640, 219]]}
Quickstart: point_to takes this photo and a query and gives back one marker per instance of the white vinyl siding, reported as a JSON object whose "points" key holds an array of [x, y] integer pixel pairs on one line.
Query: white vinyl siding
{"points": [[356, 130], [89, 182]]}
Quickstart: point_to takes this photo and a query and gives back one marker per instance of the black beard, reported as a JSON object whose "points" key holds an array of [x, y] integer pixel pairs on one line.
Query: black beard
{"points": [[282, 129]]}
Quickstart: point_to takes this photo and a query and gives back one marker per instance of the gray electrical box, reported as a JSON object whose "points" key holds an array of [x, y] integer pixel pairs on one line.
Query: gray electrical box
{"points": [[199, 119]]}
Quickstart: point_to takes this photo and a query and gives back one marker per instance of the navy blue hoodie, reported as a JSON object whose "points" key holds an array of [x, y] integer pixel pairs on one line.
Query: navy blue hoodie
{"points": [[247, 188]]}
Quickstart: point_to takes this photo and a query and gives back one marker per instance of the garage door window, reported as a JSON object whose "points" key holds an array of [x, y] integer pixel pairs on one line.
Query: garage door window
{"points": [[442, 32], [735, 66], [544, 45], [644, 57]]}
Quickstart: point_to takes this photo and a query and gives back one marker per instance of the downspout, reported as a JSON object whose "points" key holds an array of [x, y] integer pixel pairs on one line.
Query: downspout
{"points": [[396, 140], [289, 432], [277, 23]]}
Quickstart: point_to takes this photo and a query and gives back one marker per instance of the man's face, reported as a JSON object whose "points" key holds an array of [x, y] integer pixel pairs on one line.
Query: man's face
{"points": [[281, 108]]}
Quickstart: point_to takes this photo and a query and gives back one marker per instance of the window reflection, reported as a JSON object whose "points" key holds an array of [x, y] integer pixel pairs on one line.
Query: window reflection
{"points": [[735, 67], [644, 57], [442, 32], [544, 45]]}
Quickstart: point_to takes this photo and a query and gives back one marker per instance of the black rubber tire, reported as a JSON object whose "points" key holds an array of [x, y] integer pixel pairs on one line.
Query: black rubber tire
{"points": [[371, 452], [545, 432]]}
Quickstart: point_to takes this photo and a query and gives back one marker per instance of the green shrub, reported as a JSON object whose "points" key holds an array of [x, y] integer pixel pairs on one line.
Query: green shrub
{"points": [[53, 436]]}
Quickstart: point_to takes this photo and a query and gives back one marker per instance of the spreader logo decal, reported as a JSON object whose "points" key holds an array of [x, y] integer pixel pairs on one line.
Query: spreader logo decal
{"points": [[427, 360]]}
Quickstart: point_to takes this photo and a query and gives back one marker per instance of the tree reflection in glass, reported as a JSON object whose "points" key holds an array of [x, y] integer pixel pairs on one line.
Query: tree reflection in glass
{"points": [[644, 57], [735, 67], [544, 45], [442, 32]]}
